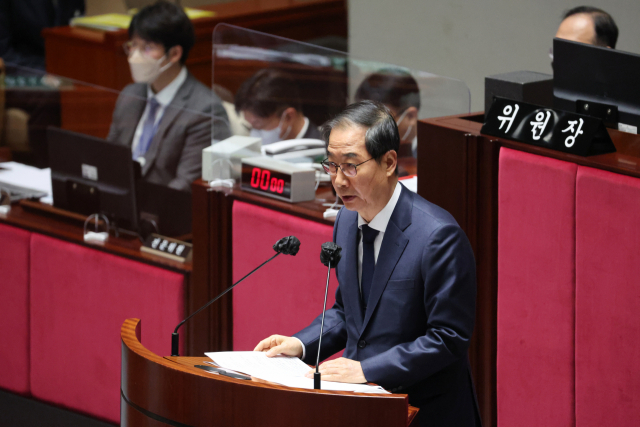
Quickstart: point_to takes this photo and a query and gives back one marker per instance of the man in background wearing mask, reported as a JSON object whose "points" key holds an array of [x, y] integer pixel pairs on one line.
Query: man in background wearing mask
{"points": [[270, 102], [166, 116], [399, 92]]}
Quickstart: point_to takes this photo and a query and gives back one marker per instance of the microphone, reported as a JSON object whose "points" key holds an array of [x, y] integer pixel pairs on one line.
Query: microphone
{"points": [[330, 255], [287, 245]]}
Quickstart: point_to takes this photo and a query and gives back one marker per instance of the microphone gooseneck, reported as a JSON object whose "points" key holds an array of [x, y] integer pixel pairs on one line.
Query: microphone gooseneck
{"points": [[287, 245], [330, 255]]}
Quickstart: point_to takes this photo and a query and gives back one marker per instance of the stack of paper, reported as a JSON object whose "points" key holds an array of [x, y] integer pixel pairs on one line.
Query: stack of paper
{"points": [[106, 22], [288, 371], [118, 21], [27, 177]]}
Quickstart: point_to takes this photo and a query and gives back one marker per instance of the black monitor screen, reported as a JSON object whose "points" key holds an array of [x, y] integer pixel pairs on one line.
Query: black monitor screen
{"points": [[589, 79], [90, 175]]}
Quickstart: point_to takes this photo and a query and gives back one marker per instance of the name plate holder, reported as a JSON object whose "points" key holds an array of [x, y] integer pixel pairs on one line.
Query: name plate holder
{"points": [[167, 247], [545, 127]]}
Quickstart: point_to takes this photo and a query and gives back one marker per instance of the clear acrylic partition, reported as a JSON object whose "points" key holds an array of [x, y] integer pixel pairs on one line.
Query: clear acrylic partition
{"points": [[327, 80], [33, 100]]}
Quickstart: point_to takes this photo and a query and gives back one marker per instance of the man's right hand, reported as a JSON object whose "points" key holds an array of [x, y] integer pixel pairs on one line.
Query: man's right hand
{"points": [[279, 344]]}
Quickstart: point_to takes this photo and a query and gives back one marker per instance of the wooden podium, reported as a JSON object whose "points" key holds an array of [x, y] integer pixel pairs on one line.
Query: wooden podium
{"points": [[170, 391]]}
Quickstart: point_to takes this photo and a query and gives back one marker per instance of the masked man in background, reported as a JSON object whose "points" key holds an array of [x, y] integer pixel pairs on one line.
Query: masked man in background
{"points": [[400, 93], [167, 116], [270, 102]]}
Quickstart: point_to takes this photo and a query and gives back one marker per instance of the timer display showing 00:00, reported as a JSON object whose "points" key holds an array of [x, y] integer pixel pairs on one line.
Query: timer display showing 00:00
{"points": [[262, 179]]}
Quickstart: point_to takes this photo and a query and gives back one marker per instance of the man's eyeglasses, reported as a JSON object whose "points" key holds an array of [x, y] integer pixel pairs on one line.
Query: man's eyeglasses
{"points": [[348, 169], [146, 49]]}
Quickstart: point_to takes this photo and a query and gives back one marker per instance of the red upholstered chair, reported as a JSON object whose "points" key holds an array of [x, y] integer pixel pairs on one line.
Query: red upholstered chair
{"points": [[607, 299], [14, 309], [535, 359], [79, 299], [287, 294]]}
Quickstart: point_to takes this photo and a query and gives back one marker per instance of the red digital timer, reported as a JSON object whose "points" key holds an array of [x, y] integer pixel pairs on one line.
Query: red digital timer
{"points": [[263, 180], [278, 179]]}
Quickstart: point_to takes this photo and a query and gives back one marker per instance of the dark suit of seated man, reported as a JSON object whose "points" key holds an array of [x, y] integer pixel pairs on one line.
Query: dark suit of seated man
{"points": [[166, 116], [405, 303]]}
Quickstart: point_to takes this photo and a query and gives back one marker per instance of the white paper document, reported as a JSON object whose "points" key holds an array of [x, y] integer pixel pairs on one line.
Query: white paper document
{"points": [[28, 177], [288, 371]]}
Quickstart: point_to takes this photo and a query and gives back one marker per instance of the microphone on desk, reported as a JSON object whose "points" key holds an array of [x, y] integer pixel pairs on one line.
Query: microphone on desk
{"points": [[287, 245], [330, 255]]}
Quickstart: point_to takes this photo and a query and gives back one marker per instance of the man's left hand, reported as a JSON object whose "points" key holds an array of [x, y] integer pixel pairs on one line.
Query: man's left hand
{"points": [[341, 370]]}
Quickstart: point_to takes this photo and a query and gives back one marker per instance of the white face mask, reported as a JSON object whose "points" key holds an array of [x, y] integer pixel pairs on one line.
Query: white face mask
{"points": [[271, 136], [144, 69], [408, 132]]}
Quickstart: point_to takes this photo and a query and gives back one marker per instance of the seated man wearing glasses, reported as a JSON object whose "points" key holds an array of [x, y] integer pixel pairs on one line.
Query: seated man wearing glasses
{"points": [[166, 116], [405, 303]]}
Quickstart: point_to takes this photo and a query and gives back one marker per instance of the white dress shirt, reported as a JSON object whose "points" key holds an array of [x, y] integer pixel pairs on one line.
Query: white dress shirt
{"points": [[379, 222], [164, 98]]}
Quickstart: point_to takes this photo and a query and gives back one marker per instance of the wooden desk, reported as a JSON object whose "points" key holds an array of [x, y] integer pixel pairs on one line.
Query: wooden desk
{"points": [[125, 246], [51, 277], [458, 170], [171, 390], [97, 57]]}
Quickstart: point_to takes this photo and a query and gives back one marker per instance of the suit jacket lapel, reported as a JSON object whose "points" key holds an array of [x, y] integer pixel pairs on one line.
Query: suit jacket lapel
{"points": [[393, 245], [136, 104], [173, 110], [351, 294]]}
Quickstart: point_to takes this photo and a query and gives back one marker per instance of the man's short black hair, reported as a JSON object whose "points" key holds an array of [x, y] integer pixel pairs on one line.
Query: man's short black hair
{"points": [[382, 132], [395, 88], [269, 91], [605, 27], [166, 24]]}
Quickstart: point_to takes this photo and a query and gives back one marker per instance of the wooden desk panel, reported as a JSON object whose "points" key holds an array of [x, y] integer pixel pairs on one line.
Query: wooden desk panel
{"points": [[124, 246], [5, 154], [171, 390], [97, 57]]}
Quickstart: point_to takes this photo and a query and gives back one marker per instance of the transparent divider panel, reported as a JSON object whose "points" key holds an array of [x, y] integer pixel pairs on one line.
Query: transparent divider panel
{"points": [[169, 150], [260, 76]]}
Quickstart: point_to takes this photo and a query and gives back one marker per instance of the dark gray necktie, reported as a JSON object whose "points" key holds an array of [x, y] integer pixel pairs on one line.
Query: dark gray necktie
{"points": [[368, 262]]}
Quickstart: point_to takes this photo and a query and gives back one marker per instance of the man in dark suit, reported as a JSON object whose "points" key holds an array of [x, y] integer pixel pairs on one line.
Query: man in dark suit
{"points": [[405, 303], [270, 102], [167, 117], [21, 25]]}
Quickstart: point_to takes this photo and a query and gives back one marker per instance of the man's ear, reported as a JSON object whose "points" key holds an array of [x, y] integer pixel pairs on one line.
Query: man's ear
{"points": [[390, 161], [174, 54], [288, 115]]}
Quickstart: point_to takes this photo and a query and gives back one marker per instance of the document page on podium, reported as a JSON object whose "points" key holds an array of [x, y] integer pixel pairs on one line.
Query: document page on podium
{"points": [[284, 370]]}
